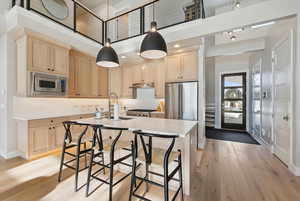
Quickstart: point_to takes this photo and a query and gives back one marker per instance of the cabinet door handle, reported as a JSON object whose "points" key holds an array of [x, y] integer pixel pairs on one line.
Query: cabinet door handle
{"points": [[50, 128], [49, 69], [52, 70]]}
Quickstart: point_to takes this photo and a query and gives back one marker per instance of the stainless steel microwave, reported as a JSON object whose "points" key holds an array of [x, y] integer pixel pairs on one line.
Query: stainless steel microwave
{"points": [[43, 84]]}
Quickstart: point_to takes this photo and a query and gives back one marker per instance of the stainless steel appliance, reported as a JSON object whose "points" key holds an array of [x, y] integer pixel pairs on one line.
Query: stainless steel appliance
{"points": [[143, 90], [140, 112], [182, 100], [43, 84]]}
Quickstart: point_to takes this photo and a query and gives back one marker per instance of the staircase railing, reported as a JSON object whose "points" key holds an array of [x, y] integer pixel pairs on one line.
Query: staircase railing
{"points": [[127, 25]]}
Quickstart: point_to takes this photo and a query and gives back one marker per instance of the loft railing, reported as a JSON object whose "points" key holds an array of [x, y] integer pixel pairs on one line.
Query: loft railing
{"points": [[80, 19], [127, 25]]}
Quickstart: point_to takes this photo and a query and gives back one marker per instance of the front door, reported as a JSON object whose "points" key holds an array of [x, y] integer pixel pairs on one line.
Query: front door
{"points": [[282, 62], [234, 101]]}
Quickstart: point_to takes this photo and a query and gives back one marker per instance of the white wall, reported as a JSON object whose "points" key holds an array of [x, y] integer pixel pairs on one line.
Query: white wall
{"points": [[210, 80], [229, 64]]}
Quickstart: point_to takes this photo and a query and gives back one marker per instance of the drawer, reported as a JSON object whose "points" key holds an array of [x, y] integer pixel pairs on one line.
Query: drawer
{"points": [[75, 117], [41, 122]]}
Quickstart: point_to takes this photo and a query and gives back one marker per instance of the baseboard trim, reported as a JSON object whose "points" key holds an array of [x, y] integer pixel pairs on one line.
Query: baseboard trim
{"points": [[12, 154], [294, 169], [202, 144]]}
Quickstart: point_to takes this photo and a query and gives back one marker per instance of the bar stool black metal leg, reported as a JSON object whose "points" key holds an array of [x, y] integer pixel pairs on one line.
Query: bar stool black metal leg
{"points": [[62, 161], [133, 178], [77, 167], [166, 170], [85, 154], [111, 178], [147, 177], [89, 173], [180, 175]]}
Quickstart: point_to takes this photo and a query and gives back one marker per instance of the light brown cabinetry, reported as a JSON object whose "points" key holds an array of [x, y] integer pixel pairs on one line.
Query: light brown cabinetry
{"points": [[182, 67], [115, 81], [47, 134], [47, 57], [86, 79], [127, 81], [99, 82]]}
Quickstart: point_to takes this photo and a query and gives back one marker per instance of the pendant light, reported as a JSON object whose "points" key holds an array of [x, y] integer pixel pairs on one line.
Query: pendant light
{"points": [[153, 45], [107, 56]]}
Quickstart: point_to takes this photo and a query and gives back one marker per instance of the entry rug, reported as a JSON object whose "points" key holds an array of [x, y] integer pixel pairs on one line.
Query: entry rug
{"points": [[228, 135]]}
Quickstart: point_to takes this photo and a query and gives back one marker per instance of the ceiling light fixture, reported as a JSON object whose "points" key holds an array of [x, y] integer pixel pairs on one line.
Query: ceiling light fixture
{"points": [[123, 57], [107, 57], [262, 25], [153, 45], [237, 4], [176, 46]]}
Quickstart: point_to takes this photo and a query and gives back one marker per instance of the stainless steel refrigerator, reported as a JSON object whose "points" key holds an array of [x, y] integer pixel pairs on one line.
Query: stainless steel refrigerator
{"points": [[182, 101]]}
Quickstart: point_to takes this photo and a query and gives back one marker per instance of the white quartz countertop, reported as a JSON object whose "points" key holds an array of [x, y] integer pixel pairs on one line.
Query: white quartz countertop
{"points": [[179, 128]]}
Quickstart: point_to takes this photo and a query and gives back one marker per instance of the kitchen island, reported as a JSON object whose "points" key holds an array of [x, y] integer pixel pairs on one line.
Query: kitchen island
{"points": [[186, 141]]}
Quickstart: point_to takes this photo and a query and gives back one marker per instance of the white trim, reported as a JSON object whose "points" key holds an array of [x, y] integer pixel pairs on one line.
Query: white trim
{"points": [[294, 169], [289, 35], [12, 154], [202, 144]]}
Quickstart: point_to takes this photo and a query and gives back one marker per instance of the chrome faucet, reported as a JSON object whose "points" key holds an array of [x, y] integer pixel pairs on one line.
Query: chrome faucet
{"points": [[112, 99]]}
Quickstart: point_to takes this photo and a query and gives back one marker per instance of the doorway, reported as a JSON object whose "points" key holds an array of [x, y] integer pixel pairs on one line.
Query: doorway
{"points": [[233, 104]]}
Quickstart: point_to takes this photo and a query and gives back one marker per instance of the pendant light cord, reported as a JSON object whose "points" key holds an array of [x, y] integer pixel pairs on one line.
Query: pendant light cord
{"points": [[107, 16], [153, 12]]}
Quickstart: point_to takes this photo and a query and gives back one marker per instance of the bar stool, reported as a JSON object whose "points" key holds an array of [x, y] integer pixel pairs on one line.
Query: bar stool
{"points": [[151, 155], [109, 146], [72, 141]]}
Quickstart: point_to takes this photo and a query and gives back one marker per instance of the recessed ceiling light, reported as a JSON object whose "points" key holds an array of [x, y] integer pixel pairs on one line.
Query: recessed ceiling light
{"points": [[139, 54], [176, 46], [123, 57], [262, 25], [237, 4]]}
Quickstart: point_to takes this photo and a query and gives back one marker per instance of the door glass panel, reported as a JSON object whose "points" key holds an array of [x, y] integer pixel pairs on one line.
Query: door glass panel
{"points": [[233, 93], [233, 81], [233, 118], [234, 101], [234, 106]]}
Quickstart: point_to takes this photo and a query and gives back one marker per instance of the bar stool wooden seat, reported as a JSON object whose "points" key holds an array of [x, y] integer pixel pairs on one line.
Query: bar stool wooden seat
{"points": [[109, 146], [151, 155], [74, 141]]}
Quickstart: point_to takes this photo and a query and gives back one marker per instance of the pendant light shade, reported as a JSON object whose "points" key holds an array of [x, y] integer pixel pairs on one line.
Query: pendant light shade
{"points": [[107, 57], [153, 45]]}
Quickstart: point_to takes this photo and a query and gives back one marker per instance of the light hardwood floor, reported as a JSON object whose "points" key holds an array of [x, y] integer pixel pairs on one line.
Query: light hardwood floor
{"points": [[229, 171]]}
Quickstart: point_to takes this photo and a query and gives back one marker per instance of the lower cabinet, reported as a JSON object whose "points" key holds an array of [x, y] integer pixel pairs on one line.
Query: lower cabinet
{"points": [[39, 140], [46, 135]]}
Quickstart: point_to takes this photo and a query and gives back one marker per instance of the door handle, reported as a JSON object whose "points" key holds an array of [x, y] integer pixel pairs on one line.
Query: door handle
{"points": [[286, 117]]}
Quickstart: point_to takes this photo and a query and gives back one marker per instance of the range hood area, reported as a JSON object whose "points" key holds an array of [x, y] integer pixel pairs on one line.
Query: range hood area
{"points": [[143, 91]]}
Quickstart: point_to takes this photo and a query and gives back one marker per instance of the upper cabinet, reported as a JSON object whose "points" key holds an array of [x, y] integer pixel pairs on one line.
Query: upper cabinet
{"points": [[127, 81], [86, 79], [47, 57], [182, 67], [99, 81], [115, 81]]}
